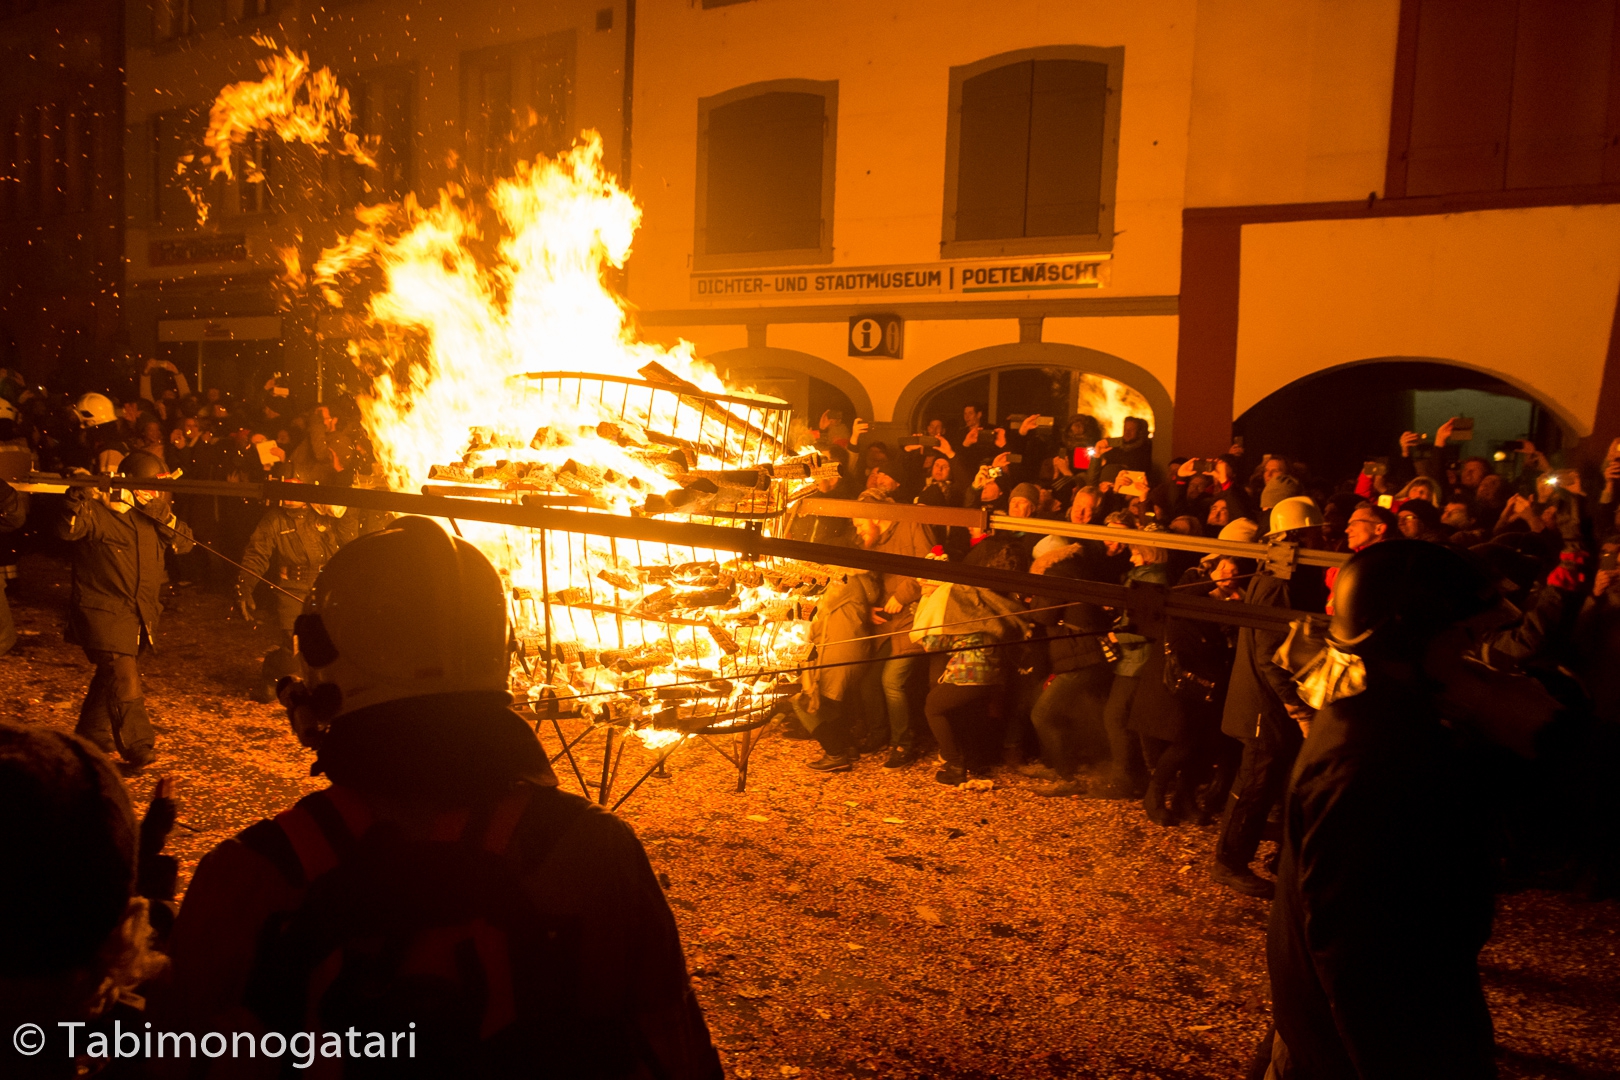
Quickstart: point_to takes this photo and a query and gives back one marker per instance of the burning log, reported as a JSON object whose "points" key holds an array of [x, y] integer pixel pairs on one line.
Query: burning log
{"points": [[654, 372], [619, 579], [724, 639]]}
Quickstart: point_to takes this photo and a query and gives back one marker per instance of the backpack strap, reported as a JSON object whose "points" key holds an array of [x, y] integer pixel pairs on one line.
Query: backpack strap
{"points": [[312, 836]]}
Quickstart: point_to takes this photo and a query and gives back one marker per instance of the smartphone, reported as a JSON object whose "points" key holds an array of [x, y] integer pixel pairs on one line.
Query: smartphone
{"points": [[1386, 501], [920, 440], [1375, 468], [1462, 429], [1045, 421], [1082, 457], [1204, 465]]}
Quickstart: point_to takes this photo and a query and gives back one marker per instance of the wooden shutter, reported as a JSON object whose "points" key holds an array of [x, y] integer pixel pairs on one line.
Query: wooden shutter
{"points": [[1462, 95], [1556, 132], [992, 174], [1068, 105], [764, 170]]}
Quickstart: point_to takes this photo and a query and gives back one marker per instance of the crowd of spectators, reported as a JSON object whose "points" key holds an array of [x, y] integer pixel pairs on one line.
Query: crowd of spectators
{"points": [[1201, 721], [1196, 719], [210, 434]]}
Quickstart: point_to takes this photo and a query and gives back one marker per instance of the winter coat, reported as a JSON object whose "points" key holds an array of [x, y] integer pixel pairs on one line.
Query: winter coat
{"points": [[117, 574], [1261, 692], [1384, 898], [906, 538], [1136, 457], [840, 631], [289, 546], [1199, 647], [1076, 631]]}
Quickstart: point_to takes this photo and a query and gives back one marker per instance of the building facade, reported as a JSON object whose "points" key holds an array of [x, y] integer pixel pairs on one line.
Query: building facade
{"points": [[1279, 218], [449, 90], [1272, 193], [61, 218]]}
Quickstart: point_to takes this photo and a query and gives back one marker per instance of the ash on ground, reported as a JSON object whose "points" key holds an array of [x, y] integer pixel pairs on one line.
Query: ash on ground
{"points": [[874, 923]]}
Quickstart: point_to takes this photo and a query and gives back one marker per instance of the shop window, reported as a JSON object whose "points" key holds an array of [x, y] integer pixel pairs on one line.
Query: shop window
{"points": [[1494, 95], [766, 156], [1031, 152]]}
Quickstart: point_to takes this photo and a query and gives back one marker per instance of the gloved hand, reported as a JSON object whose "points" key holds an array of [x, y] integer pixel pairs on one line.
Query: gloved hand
{"points": [[157, 874], [76, 497], [245, 604]]}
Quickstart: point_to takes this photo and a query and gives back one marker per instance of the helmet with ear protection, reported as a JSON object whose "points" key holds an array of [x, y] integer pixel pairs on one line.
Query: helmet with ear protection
{"points": [[404, 612]]}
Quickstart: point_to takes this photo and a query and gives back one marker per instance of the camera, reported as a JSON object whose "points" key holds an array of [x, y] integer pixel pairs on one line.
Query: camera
{"points": [[1375, 468]]}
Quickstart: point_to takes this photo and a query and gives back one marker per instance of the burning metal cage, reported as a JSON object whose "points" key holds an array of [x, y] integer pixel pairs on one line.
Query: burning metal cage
{"points": [[658, 640]]}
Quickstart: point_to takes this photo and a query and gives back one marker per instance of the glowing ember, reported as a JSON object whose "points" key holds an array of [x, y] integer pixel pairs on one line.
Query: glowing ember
{"points": [[505, 368]]}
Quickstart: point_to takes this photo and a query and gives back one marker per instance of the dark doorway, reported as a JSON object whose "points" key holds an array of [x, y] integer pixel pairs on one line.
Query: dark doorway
{"points": [[1336, 420]]}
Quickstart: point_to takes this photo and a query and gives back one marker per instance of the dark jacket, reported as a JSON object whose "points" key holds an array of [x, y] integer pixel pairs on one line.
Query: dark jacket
{"points": [[289, 546], [1076, 631], [1384, 899], [1137, 457], [1261, 691], [592, 883], [906, 538], [1199, 647], [117, 574]]}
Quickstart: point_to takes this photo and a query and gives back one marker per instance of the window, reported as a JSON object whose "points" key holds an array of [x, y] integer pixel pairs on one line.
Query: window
{"points": [[80, 140], [174, 134], [517, 102], [1058, 392], [252, 175], [382, 109], [766, 156], [241, 10], [1031, 152], [1494, 95], [170, 19]]}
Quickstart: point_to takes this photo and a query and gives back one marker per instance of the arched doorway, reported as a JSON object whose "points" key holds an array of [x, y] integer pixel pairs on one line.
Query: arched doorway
{"points": [[1049, 378], [1337, 419], [807, 382]]}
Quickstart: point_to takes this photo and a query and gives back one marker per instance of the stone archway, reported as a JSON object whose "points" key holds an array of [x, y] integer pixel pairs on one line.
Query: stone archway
{"points": [[768, 364], [1336, 418], [1046, 354]]}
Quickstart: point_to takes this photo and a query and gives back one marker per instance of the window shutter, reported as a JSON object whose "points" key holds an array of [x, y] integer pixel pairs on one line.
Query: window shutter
{"points": [[764, 169], [1560, 93], [1462, 96], [993, 142], [1067, 108]]}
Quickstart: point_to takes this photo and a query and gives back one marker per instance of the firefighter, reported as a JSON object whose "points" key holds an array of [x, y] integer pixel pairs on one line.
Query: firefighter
{"points": [[516, 930], [289, 546], [1385, 885], [102, 445], [113, 611]]}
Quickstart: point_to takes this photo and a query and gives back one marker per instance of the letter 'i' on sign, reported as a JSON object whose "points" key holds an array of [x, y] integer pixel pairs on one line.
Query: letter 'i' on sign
{"points": [[876, 335]]}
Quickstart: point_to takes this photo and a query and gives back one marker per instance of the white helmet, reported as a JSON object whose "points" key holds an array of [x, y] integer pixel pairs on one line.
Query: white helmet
{"points": [[8, 411], [1298, 512], [404, 612], [93, 410], [1242, 530]]}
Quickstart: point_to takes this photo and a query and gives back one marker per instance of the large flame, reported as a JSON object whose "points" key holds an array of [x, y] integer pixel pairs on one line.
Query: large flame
{"points": [[503, 366]]}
